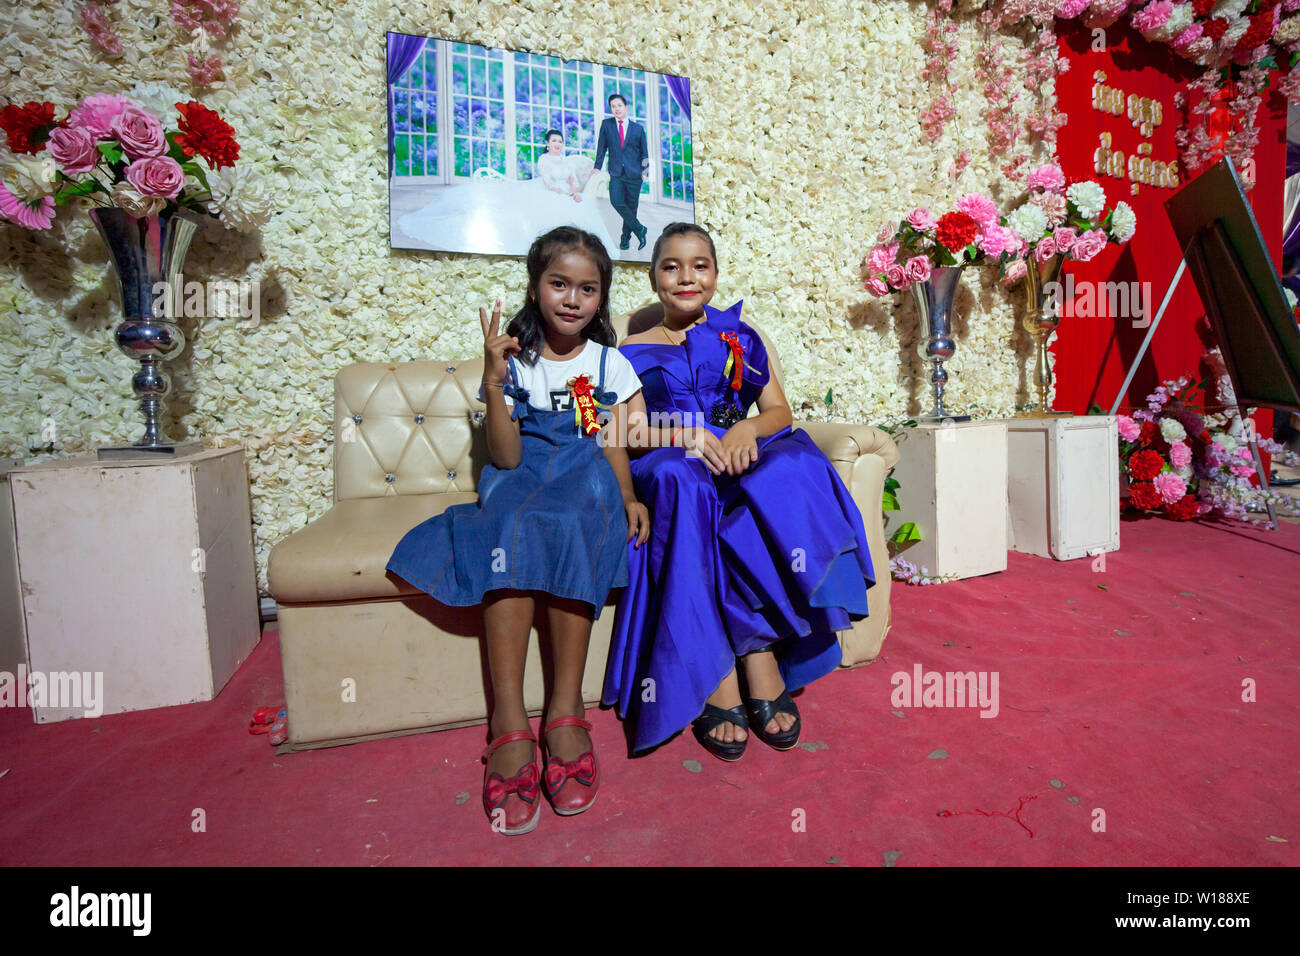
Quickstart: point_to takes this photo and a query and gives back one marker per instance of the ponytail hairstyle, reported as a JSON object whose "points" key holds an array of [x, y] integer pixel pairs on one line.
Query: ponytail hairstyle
{"points": [[528, 326], [678, 229]]}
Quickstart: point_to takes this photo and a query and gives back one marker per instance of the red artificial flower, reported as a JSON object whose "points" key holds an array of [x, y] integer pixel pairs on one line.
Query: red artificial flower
{"points": [[956, 230], [1144, 496], [1184, 509], [1216, 28], [1203, 7], [203, 131], [1148, 433], [28, 126], [1145, 465], [1260, 29]]}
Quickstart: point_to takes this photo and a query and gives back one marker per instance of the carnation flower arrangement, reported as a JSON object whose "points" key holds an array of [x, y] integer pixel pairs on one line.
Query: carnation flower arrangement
{"points": [[1056, 219], [907, 253], [1183, 463], [112, 150]]}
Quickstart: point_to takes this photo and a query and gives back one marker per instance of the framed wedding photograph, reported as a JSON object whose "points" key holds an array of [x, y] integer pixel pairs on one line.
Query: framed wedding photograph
{"points": [[489, 148]]}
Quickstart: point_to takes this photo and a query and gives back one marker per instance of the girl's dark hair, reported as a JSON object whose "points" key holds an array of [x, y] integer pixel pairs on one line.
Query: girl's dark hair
{"points": [[550, 133], [678, 229], [528, 326]]}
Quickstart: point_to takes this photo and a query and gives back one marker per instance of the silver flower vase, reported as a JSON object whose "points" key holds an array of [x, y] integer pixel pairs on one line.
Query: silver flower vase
{"points": [[147, 254], [934, 305]]}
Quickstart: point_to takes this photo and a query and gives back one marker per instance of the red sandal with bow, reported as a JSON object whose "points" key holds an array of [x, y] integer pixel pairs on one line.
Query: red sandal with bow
{"points": [[570, 786], [512, 817]]}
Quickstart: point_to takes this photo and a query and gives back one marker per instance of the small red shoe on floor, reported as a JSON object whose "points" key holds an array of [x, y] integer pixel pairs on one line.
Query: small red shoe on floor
{"points": [[512, 817], [571, 787]]}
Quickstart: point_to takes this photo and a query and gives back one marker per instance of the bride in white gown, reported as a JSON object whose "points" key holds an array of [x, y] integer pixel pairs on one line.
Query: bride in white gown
{"points": [[504, 216]]}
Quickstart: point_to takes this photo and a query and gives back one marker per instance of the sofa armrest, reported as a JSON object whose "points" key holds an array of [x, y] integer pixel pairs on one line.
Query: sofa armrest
{"points": [[842, 442]]}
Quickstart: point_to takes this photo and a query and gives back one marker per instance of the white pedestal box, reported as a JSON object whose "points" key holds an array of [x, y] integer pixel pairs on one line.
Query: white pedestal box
{"points": [[1063, 485], [952, 482], [137, 580], [13, 636]]}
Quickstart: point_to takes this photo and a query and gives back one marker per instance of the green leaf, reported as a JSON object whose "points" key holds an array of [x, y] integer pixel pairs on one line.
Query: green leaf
{"points": [[63, 196], [111, 150], [908, 532], [890, 502], [1268, 63], [829, 399], [891, 483], [192, 168]]}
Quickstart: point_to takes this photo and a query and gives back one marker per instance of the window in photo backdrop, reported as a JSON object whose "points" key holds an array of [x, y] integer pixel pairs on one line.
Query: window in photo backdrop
{"points": [[472, 169]]}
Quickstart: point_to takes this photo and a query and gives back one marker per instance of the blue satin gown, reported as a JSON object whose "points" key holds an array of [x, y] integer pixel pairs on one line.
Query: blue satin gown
{"points": [[774, 556]]}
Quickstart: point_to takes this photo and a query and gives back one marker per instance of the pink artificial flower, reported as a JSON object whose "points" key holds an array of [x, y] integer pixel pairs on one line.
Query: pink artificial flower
{"points": [[887, 232], [997, 240], [1045, 249], [980, 208], [1171, 487], [1128, 429], [1180, 454], [1065, 238], [1153, 15], [95, 114], [1070, 9], [917, 269], [1015, 272], [1187, 37], [1052, 205], [19, 211], [158, 176], [882, 257], [74, 150], [1047, 176], [1242, 471], [922, 220], [876, 287], [897, 276], [1088, 245], [140, 133]]}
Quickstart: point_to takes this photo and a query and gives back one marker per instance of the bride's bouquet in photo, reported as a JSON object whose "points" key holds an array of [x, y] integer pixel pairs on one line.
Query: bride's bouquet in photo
{"points": [[908, 252], [112, 150]]}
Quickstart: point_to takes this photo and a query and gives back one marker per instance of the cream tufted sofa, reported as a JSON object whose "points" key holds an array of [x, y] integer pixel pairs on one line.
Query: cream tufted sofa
{"points": [[366, 655]]}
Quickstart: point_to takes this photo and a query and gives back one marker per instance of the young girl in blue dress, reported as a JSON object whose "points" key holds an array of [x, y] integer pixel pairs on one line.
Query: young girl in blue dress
{"points": [[757, 553], [554, 518]]}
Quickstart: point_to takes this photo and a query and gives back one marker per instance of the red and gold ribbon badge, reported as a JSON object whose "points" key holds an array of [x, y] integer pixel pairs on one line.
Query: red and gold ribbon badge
{"points": [[735, 361], [584, 404]]}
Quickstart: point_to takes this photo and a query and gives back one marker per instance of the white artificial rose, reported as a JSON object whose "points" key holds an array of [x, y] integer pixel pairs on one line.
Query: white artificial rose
{"points": [[127, 199], [1172, 430], [28, 177]]}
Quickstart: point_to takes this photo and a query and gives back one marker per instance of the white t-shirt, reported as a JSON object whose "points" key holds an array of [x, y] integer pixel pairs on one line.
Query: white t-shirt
{"points": [[547, 381]]}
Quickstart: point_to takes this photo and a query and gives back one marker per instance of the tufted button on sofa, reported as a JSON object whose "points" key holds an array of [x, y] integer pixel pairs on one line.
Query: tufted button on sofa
{"points": [[366, 655]]}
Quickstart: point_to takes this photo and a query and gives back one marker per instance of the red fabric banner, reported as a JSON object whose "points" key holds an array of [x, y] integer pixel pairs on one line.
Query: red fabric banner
{"points": [[1094, 348]]}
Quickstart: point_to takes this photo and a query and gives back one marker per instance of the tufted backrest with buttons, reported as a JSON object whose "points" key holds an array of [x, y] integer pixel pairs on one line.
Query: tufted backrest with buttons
{"points": [[408, 428]]}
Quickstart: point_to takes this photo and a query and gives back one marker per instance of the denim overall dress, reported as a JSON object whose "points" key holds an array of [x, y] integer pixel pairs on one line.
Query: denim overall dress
{"points": [[556, 523]]}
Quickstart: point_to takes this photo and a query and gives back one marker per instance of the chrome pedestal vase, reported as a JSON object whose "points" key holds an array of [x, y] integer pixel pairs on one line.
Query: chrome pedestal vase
{"points": [[934, 299], [147, 254]]}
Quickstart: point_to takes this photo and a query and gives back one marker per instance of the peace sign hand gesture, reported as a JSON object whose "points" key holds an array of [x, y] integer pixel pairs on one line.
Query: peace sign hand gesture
{"points": [[496, 346]]}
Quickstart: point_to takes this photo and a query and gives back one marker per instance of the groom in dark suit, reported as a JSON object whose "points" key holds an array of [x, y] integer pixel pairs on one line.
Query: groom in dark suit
{"points": [[628, 156]]}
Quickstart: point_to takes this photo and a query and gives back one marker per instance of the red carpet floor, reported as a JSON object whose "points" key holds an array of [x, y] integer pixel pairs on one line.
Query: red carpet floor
{"points": [[1120, 695]]}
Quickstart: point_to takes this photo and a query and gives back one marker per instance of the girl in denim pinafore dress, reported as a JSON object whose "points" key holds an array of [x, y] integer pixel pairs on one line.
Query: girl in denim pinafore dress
{"points": [[548, 528]]}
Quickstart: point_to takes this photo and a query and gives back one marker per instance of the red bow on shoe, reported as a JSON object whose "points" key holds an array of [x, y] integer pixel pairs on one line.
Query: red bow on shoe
{"points": [[582, 770], [524, 784]]}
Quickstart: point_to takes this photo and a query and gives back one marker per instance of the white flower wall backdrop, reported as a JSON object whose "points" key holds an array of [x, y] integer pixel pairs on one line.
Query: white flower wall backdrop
{"points": [[806, 141]]}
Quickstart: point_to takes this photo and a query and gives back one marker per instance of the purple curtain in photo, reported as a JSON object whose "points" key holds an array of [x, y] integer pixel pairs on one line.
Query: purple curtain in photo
{"points": [[402, 52], [680, 88]]}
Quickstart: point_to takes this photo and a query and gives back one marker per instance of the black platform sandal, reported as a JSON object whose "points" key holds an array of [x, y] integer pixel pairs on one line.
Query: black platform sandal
{"points": [[716, 717], [762, 712]]}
